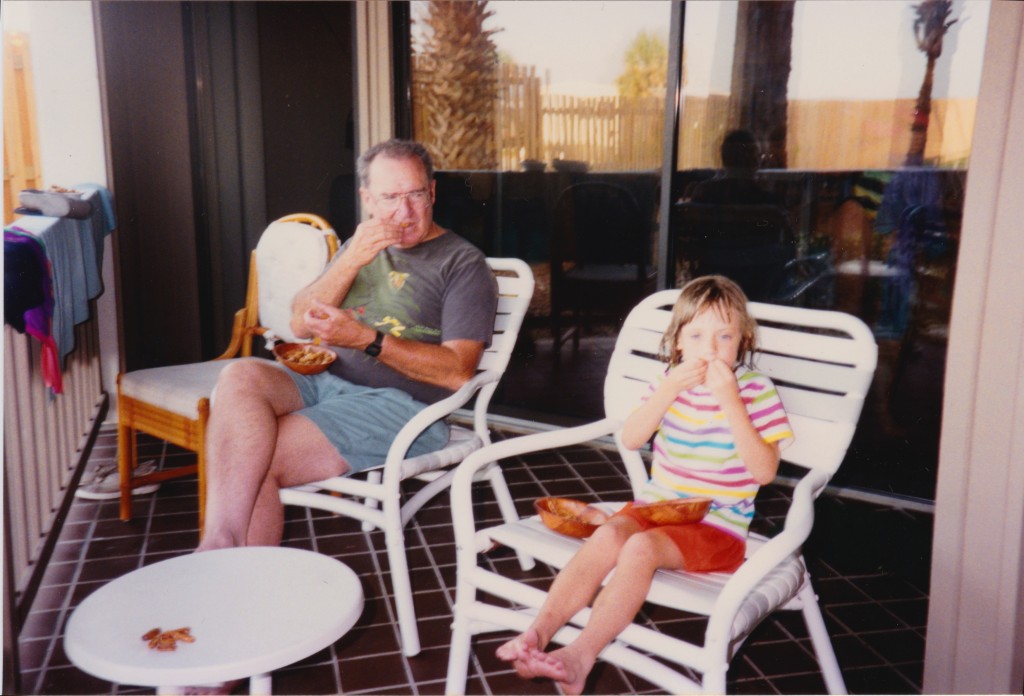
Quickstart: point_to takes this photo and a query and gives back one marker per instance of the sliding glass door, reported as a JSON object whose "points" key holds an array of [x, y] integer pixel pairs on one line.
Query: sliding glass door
{"points": [[822, 158], [818, 156]]}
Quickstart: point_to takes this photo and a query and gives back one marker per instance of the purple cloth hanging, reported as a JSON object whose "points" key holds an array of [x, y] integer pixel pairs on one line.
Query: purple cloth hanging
{"points": [[28, 299]]}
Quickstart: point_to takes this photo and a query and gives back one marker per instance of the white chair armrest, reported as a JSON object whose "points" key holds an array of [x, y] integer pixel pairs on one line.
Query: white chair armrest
{"points": [[428, 416], [461, 494], [736, 597]]}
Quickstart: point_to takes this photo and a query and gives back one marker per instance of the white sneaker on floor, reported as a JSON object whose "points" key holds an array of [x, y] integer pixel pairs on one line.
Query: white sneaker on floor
{"points": [[106, 484]]}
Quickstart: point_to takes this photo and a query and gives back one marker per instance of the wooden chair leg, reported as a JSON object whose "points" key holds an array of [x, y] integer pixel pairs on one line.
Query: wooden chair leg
{"points": [[125, 464], [204, 416]]}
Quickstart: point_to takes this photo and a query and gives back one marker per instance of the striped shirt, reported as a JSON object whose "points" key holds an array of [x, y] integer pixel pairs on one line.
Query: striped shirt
{"points": [[695, 453]]}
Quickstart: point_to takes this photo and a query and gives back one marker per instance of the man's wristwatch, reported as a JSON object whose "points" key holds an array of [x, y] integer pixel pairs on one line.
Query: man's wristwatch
{"points": [[373, 350]]}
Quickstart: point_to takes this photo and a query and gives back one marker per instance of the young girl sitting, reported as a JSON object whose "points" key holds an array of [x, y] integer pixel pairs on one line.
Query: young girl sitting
{"points": [[718, 428]]}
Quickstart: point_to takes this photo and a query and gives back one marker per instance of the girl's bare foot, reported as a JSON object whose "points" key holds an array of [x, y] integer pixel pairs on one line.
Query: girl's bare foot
{"points": [[563, 666], [517, 651]]}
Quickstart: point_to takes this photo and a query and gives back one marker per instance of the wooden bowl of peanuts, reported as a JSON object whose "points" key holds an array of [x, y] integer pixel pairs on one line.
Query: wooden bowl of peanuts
{"points": [[304, 358], [678, 511], [570, 517]]}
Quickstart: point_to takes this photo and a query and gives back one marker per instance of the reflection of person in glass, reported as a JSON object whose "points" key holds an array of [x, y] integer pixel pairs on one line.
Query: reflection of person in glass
{"points": [[735, 184], [732, 226], [912, 208]]}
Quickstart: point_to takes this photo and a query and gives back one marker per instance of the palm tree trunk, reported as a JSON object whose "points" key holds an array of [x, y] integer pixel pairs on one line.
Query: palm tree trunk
{"points": [[930, 27], [922, 115]]}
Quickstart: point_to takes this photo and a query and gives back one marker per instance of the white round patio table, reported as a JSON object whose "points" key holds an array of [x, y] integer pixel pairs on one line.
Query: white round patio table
{"points": [[251, 610]]}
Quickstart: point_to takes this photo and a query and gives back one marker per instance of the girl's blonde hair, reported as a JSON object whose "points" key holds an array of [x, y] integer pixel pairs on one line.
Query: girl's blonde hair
{"points": [[710, 292]]}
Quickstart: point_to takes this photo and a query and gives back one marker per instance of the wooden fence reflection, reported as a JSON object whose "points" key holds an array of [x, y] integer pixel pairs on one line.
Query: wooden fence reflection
{"points": [[616, 134]]}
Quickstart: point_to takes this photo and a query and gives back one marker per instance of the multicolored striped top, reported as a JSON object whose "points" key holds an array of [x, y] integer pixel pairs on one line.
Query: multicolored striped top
{"points": [[695, 453]]}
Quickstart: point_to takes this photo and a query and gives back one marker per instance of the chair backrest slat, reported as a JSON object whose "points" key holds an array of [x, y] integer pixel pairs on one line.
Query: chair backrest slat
{"points": [[820, 405], [510, 287], [490, 360], [821, 361], [808, 373], [641, 366], [515, 290], [819, 444], [506, 315], [790, 340]]}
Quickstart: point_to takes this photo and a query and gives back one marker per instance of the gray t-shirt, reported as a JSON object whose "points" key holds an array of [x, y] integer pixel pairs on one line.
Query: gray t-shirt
{"points": [[437, 291]]}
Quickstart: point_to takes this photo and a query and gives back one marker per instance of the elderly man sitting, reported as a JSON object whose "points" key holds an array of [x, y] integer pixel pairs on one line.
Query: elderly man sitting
{"points": [[407, 305]]}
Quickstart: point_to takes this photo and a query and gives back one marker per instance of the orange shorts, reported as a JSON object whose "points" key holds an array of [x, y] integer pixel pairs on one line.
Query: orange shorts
{"points": [[704, 548]]}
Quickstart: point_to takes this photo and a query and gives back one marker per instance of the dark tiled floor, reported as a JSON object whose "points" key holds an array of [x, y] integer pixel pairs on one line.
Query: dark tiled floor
{"points": [[870, 563]]}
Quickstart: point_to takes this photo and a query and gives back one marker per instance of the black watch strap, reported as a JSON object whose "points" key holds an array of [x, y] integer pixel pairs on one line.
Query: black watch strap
{"points": [[373, 350]]}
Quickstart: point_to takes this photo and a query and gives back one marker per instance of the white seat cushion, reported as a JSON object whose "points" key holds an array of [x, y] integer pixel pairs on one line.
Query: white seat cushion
{"points": [[175, 388]]}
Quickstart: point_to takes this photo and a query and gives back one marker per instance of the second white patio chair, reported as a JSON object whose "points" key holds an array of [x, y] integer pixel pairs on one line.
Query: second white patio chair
{"points": [[822, 363], [376, 499]]}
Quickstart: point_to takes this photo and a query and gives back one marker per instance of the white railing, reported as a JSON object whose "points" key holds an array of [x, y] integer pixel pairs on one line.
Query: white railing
{"points": [[46, 438]]}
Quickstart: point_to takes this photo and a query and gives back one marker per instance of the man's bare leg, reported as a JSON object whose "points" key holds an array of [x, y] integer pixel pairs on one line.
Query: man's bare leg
{"points": [[246, 435], [255, 446], [615, 607], [573, 589], [303, 454]]}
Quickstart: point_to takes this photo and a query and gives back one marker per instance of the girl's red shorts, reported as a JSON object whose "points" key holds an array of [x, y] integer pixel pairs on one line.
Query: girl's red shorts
{"points": [[704, 548]]}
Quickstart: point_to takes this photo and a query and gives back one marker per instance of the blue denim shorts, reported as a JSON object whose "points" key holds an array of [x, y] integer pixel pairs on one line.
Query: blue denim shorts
{"points": [[362, 422]]}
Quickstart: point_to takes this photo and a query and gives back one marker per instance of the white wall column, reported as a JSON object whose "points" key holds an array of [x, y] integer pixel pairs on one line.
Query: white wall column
{"points": [[374, 71], [976, 610]]}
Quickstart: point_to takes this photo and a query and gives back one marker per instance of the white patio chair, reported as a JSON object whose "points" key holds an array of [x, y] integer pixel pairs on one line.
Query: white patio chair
{"points": [[173, 402], [376, 499], [822, 363]]}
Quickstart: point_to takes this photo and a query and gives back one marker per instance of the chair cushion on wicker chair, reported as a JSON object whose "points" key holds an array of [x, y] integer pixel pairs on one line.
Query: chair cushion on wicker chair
{"points": [[461, 442], [175, 388]]}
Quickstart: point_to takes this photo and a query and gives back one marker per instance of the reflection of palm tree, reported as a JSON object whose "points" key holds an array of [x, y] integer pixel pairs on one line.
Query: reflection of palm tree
{"points": [[456, 85], [646, 67], [930, 27]]}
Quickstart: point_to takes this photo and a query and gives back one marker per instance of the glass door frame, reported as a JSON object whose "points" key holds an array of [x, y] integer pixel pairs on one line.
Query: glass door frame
{"points": [[670, 140]]}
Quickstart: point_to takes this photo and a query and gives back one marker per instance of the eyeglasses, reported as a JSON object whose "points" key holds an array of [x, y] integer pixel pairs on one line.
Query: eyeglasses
{"points": [[420, 198]]}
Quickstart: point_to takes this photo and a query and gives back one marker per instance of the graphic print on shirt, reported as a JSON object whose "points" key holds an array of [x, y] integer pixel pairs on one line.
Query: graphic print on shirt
{"points": [[384, 298]]}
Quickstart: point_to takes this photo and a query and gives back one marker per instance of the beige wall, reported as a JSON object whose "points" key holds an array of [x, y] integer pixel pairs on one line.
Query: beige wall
{"points": [[72, 146], [976, 612]]}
